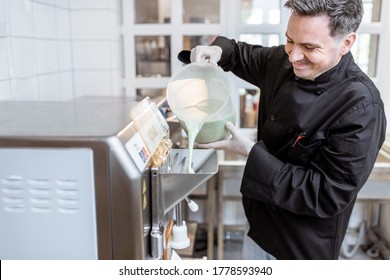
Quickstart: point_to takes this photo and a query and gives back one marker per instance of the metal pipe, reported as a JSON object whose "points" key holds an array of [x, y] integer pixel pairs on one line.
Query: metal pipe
{"points": [[179, 214], [156, 235]]}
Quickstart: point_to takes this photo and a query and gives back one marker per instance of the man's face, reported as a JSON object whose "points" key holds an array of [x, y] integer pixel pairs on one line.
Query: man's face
{"points": [[311, 49]]}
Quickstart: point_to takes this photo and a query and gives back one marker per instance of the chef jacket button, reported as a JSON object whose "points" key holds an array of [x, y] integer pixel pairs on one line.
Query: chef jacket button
{"points": [[319, 91], [272, 117]]}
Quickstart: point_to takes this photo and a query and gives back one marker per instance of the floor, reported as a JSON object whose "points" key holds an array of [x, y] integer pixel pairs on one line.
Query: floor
{"points": [[233, 248]]}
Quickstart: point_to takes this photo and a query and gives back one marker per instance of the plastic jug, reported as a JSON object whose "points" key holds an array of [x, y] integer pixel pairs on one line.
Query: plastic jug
{"points": [[200, 97]]}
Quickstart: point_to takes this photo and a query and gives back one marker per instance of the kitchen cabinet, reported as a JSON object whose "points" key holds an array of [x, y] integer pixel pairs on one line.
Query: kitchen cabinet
{"points": [[155, 31]]}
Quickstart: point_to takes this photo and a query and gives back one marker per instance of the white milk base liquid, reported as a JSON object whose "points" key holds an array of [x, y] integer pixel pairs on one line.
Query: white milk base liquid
{"points": [[194, 117], [193, 130]]}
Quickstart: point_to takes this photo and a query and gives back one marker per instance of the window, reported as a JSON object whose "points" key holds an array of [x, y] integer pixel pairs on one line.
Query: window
{"points": [[365, 50], [190, 42], [152, 11], [201, 11], [152, 56], [260, 11], [372, 11], [260, 39]]}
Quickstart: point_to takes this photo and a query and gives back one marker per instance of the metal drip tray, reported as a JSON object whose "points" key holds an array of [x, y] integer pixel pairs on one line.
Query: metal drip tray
{"points": [[175, 181]]}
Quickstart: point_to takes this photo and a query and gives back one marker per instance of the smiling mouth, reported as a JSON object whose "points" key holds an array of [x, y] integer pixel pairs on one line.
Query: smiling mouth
{"points": [[299, 64]]}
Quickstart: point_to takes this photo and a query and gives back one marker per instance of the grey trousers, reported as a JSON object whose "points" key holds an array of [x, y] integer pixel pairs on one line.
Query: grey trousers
{"points": [[252, 251]]}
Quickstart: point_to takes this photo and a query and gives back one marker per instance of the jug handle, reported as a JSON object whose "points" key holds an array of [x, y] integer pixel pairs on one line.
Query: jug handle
{"points": [[184, 56]]}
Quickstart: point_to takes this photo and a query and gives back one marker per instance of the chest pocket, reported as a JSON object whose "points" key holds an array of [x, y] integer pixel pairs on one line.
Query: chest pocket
{"points": [[281, 142], [302, 154]]}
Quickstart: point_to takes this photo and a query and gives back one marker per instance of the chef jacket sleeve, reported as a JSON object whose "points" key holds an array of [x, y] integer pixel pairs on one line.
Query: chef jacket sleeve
{"points": [[338, 169]]}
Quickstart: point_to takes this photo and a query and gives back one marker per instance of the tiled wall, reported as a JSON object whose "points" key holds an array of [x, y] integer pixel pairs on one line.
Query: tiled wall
{"points": [[59, 49]]}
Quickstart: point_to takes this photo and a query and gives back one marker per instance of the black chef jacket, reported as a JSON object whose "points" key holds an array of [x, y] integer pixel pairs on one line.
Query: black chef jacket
{"points": [[317, 144]]}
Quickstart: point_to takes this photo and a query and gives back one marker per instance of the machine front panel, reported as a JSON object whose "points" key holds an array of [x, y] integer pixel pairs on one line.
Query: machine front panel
{"points": [[47, 204]]}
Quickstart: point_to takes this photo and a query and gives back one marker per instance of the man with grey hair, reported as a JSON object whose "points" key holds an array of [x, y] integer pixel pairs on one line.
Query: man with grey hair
{"points": [[321, 123]]}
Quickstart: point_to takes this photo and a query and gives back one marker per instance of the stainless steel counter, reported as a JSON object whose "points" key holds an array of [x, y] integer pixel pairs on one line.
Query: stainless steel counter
{"points": [[376, 188], [378, 184]]}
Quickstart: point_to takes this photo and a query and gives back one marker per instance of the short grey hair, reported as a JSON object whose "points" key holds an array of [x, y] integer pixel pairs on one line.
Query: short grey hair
{"points": [[345, 15]]}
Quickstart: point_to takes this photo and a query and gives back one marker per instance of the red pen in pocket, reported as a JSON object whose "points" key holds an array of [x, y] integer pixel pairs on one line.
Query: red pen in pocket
{"points": [[299, 137]]}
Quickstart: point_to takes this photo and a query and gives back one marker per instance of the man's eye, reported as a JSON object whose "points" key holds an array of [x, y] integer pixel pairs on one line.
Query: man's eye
{"points": [[310, 48]]}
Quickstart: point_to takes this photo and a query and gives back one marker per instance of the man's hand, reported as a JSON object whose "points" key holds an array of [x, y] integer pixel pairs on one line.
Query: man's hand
{"points": [[206, 53], [237, 143]]}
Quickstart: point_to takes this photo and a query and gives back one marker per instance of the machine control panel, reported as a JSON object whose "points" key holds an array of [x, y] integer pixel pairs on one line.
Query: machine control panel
{"points": [[152, 129], [138, 150]]}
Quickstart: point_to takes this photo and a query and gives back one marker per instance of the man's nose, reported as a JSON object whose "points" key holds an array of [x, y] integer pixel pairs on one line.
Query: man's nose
{"points": [[295, 53]]}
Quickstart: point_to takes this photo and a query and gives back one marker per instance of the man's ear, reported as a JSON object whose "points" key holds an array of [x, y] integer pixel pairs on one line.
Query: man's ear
{"points": [[348, 42]]}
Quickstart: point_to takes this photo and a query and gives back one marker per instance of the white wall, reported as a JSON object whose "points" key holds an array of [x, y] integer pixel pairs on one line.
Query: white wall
{"points": [[59, 49]]}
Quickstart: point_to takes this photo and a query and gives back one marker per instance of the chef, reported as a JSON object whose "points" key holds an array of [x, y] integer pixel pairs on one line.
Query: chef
{"points": [[321, 123]]}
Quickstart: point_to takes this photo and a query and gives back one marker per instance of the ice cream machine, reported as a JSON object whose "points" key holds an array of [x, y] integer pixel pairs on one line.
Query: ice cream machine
{"points": [[92, 178]]}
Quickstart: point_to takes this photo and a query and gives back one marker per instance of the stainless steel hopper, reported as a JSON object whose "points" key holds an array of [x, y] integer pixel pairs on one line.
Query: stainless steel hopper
{"points": [[175, 181]]}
